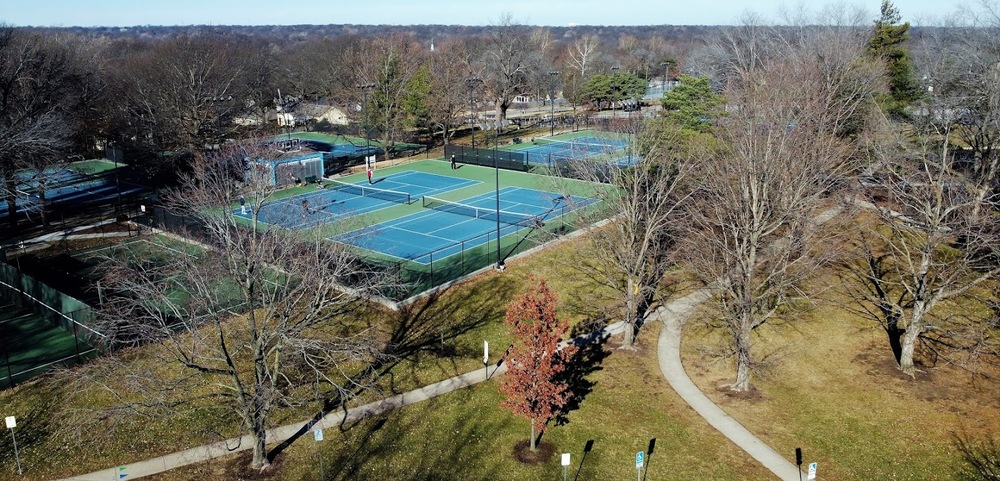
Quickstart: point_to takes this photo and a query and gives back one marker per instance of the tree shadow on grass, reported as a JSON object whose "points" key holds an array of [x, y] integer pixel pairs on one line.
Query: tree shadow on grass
{"points": [[395, 446], [418, 332], [34, 428], [590, 354], [429, 329]]}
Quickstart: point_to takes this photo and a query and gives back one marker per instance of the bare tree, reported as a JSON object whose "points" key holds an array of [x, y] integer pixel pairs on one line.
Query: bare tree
{"points": [[505, 63], [784, 141], [387, 65], [932, 244], [449, 93], [180, 97], [962, 64], [581, 55], [936, 237], [632, 253], [247, 325], [37, 94]]}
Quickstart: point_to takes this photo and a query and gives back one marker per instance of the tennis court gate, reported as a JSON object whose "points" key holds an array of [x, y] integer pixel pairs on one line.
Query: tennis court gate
{"points": [[503, 159]]}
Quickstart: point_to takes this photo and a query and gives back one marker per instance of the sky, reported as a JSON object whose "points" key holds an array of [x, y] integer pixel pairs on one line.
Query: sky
{"points": [[558, 13]]}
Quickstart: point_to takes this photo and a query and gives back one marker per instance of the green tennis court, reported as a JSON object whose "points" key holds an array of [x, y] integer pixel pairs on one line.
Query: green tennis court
{"points": [[33, 345]]}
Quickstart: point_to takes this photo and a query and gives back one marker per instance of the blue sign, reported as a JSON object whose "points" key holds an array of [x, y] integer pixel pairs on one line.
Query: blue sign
{"points": [[638, 459]]}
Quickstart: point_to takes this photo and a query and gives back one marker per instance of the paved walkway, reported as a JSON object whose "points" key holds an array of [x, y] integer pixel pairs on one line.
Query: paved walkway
{"points": [[331, 420], [668, 352]]}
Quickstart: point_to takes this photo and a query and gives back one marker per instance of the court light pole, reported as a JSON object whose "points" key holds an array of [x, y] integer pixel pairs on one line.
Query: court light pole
{"points": [[552, 102], [666, 69], [496, 167], [472, 81], [365, 88], [614, 70]]}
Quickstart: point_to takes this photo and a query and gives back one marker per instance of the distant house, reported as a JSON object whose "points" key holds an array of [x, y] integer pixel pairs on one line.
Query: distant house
{"points": [[285, 119], [315, 112], [307, 113]]}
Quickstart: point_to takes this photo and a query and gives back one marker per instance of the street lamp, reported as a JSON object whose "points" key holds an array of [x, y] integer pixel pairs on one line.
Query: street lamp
{"points": [[368, 141], [614, 70], [666, 69], [472, 81], [552, 102], [496, 168]]}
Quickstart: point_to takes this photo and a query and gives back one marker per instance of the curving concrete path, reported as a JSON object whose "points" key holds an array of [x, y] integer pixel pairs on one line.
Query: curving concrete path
{"points": [[668, 351], [207, 452]]}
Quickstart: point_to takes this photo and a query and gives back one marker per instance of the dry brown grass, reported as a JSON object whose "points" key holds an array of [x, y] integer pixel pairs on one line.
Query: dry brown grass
{"points": [[835, 391]]}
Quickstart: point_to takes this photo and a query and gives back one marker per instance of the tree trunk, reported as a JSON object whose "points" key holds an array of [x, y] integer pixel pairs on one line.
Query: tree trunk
{"points": [[906, 353], [259, 433], [533, 446], [42, 206], [628, 334], [913, 330], [895, 335], [12, 210], [742, 346]]}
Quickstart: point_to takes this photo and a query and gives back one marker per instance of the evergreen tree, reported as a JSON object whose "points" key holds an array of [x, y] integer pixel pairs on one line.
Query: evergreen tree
{"points": [[692, 104], [887, 44]]}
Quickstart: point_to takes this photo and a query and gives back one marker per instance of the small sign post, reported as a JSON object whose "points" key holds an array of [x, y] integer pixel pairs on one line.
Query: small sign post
{"points": [[812, 472], [565, 464], [11, 424], [486, 358], [639, 461], [318, 436], [798, 461]]}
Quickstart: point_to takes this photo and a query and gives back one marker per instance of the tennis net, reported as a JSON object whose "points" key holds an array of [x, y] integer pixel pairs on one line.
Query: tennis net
{"points": [[590, 145], [360, 190], [507, 217]]}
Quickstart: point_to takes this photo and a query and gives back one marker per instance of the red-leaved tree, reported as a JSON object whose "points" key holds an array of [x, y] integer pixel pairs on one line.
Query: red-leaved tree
{"points": [[535, 361]]}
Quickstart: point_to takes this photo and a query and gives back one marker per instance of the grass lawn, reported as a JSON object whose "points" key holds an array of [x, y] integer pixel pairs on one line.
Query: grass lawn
{"points": [[467, 435], [835, 391]]}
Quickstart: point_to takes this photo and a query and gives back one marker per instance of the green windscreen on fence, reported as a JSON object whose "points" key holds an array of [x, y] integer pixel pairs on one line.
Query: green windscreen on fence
{"points": [[42, 328]]}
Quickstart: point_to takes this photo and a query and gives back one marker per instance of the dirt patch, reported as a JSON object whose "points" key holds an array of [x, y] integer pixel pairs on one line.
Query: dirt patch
{"points": [[878, 361], [723, 386], [941, 383], [638, 350], [543, 452], [238, 468]]}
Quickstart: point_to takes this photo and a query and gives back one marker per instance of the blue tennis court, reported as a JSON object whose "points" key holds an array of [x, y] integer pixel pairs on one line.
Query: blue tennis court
{"points": [[351, 150], [448, 228], [337, 201], [68, 187], [547, 151]]}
